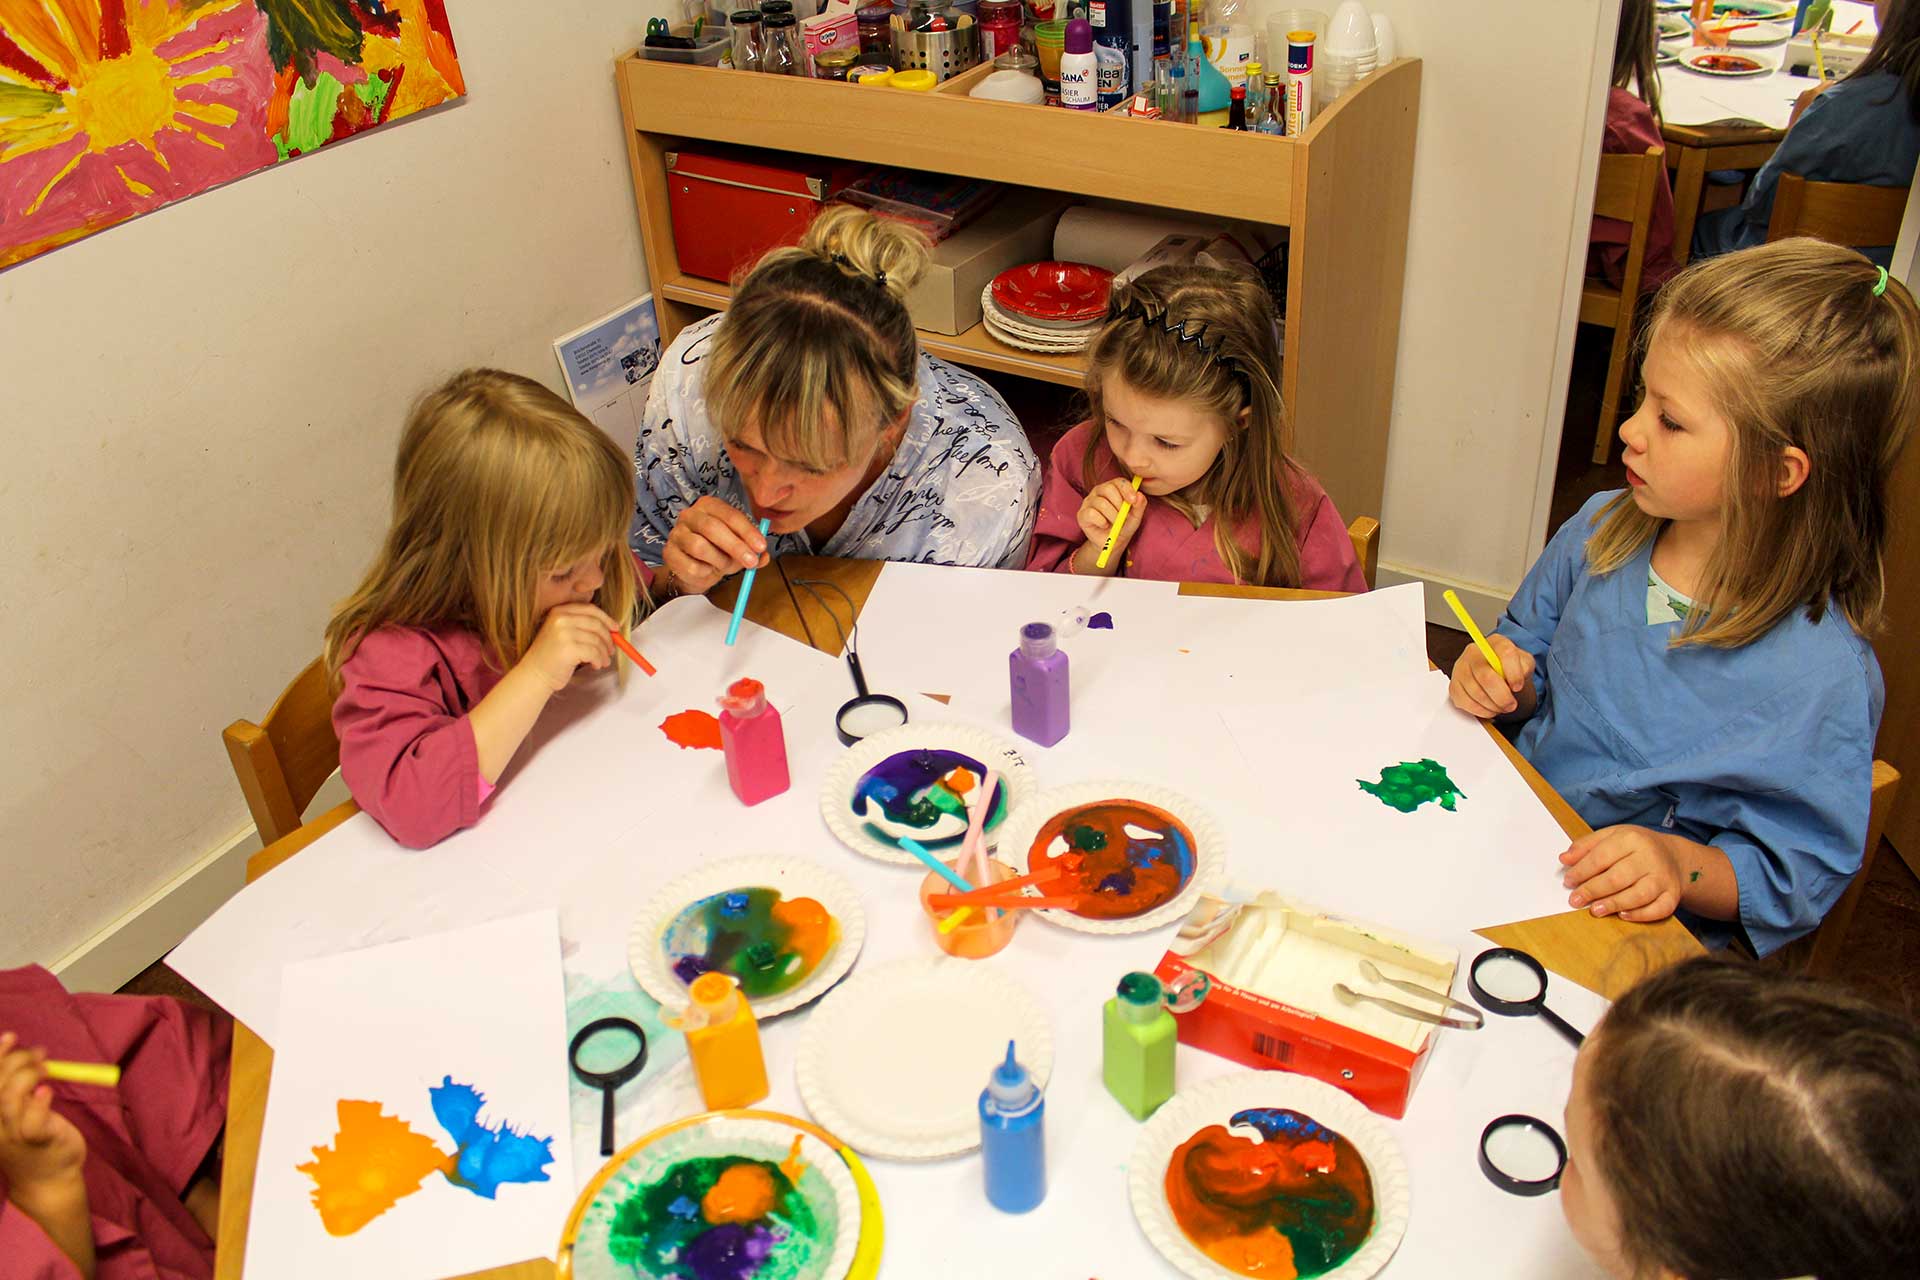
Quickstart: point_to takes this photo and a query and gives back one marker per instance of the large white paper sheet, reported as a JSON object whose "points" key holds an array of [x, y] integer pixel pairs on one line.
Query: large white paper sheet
{"points": [[478, 1011], [598, 810], [1302, 824]]}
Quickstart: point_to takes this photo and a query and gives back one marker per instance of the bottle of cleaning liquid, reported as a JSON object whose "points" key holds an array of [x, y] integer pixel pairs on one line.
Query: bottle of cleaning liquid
{"points": [[723, 1042], [1110, 47], [1013, 1138], [1038, 670], [755, 744], [1138, 1040], [1079, 69], [1213, 87]]}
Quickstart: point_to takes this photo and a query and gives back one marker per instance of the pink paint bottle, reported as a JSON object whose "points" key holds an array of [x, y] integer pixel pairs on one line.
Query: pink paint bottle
{"points": [[1039, 673], [755, 744]]}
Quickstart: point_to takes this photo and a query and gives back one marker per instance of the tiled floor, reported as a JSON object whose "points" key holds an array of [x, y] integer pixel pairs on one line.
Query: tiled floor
{"points": [[1883, 946]]}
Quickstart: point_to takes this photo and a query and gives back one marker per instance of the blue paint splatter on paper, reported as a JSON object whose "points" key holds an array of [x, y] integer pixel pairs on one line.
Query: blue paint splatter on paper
{"points": [[486, 1155]]}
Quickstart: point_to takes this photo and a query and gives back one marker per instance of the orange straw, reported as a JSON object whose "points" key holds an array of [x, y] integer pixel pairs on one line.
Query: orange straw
{"points": [[940, 901], [625, 646]]}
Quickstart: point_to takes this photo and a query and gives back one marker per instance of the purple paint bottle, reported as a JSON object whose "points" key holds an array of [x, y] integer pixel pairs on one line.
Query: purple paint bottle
{"points": [[1039, 673], [755, 744]]}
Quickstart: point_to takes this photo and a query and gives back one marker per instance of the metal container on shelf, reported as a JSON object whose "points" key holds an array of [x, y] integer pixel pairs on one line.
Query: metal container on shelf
{"points": [[935, 37]]}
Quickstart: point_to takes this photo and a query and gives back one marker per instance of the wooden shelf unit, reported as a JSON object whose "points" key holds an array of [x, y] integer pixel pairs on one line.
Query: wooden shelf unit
{"points": [[1342, 190]]}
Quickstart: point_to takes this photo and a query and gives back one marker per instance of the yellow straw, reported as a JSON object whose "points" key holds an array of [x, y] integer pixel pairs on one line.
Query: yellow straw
{"points": [[104, 1074], [955, 919], [1466, 620], [1113, 534], [1819, 63]]}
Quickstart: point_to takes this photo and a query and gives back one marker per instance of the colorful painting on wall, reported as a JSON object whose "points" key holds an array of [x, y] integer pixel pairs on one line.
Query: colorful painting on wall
{"points": [[112, 108]]}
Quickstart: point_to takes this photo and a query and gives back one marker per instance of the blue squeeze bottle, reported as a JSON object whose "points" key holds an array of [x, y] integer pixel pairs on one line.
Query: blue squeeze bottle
{"points": [[1013, 1139]]}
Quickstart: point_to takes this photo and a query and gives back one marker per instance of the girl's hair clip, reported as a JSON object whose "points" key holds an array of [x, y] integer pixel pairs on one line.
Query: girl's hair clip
{"points": [[1881, 287], [845, 263]]}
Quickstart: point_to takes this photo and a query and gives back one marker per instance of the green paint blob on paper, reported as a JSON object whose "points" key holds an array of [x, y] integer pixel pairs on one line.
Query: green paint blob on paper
{"points": [[1408, 785]]}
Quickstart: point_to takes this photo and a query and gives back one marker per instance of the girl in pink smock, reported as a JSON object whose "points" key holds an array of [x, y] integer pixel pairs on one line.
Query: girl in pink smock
{"points": [[505, 571], [1184, 383], [108, 1183]]}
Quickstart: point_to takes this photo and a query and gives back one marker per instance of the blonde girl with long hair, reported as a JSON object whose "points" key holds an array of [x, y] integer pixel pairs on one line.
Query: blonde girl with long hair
{"points": [[1688, 661], [1184, 386], [809, 404], [504, 573]]}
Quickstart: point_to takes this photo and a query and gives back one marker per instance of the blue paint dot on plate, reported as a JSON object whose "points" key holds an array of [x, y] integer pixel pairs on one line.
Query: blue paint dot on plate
{"points": [[1100, 622]]}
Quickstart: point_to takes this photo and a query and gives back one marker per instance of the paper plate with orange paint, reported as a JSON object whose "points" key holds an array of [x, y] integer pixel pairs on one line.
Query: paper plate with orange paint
{"points": [[1269, 1174], [787, 928], [690, 1201], [1136, 854]]}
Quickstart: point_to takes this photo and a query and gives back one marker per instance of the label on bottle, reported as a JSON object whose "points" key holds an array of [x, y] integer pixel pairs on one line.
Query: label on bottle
{"points": [[1112, 78], [1097, 14], [1079, 87]]}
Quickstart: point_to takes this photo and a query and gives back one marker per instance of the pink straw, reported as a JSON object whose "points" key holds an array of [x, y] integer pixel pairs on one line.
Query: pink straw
{"points": [[976, 844]]}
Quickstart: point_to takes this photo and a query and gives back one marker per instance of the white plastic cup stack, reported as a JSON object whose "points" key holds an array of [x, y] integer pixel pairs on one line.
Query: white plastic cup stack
{"points": [[1348, 53]]}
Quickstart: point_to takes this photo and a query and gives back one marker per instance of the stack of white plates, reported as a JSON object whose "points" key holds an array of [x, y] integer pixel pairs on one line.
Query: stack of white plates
{"points": [[1029, 333]]}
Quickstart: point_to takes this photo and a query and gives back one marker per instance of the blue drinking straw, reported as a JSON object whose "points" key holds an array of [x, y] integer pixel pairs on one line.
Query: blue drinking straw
{"points": [[934, 864], [746, 586]]}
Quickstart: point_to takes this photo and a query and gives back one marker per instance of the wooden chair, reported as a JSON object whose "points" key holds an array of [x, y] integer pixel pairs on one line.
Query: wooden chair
{"points": [[1365, 535], [1821, 948], [1624, 192], [282, 761], [1848, 213]]}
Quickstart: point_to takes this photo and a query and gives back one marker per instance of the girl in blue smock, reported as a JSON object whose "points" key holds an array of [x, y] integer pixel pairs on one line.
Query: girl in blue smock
{"points": [[1687, 662]]}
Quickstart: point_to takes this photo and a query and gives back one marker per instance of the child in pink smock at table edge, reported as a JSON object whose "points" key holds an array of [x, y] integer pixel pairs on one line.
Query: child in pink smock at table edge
{"points": [[505, 571], [1184, 384], [108, 1183]]}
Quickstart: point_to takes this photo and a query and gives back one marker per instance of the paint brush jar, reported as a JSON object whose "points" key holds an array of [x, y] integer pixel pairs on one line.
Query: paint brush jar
{"points": [[984, 932]]}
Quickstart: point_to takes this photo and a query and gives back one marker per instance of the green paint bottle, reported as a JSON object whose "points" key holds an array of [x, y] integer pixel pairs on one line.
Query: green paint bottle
{"points": [[1139, 1036]]}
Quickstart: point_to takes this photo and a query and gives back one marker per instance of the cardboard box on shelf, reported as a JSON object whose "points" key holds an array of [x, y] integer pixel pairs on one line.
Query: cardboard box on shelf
{"points": [[1017, 229]]}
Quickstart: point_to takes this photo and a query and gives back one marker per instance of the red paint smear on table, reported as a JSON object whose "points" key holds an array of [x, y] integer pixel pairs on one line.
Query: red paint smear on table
{"points": [[695, 729]]}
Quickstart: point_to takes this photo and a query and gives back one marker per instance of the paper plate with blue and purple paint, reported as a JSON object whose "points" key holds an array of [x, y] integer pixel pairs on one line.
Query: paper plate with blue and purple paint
{"points": [[899, 783], [1136, 855], [718, 1197], [787, 929]]}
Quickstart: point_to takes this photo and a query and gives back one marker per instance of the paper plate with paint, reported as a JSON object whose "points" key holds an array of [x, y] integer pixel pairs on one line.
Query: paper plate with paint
{"points": [[722, 1196], [787, 928], [1269, 1174], [902, 783], [894, 1060], [1136, 855]]}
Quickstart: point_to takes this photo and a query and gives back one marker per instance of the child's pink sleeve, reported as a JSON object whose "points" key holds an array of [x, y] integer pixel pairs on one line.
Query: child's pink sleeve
{"points": [[1056, 532], [29, 1252], [406, 746], [1327, 562]]}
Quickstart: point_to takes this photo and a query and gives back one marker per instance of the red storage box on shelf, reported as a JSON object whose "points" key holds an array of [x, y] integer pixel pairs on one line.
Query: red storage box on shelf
{"points": [[729, 205]]}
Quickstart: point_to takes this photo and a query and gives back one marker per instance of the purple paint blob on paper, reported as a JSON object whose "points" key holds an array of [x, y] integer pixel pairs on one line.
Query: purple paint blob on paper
{"points": [[1100, 622]]}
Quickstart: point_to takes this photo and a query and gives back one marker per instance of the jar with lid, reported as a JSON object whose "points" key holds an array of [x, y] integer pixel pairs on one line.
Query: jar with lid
{"points": [[780, 47], [834, 64], [768, 8], [999, 26], [743, 26], [876, 33]]}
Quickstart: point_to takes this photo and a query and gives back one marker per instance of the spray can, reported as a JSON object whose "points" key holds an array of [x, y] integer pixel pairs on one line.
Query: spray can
{"points": [[1107, 18], [1038, 670], [1137, 1039], [723, 1042], [1299, 82], [755, 744], [1079, 69], [1013, 1137]]}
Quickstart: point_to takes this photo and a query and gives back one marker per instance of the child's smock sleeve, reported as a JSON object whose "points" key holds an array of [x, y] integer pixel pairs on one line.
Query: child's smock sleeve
{"points": [[29, 1252], [1534, 613], [676, 457], [1056, 531], [407, 751], [1327, 561]]}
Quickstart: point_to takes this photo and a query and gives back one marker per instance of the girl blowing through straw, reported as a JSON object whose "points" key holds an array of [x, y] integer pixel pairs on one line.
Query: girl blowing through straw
{"points": [[1687, 663], [1184, 386], [505, 571]]}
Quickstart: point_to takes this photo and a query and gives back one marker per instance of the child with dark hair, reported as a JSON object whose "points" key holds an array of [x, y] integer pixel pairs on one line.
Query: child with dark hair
{"points": [[1633, 125], [1730, 1122]]}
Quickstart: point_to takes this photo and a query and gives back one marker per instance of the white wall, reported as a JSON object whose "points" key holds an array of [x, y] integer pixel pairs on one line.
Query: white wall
{"points": [[200, 410], [1511, 102]]}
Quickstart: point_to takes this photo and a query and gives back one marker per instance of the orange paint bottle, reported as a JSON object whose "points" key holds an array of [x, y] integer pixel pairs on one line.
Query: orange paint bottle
{"points": [[723, 1041]]}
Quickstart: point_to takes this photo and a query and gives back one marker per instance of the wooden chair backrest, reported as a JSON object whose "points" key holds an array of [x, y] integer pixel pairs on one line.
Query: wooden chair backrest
{"points": [[1849, 213], [1625, 187], [282, 761], [1823, 960], [1364, 533]]}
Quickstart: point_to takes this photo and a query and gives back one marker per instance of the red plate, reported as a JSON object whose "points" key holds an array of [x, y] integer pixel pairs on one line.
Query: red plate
{"points": [[1069, 291]]}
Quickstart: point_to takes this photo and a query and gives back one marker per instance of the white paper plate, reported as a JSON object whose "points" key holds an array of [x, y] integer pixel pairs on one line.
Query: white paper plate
{"points": [[1028, 344], [794, 878], [1210, 851], [1036, 328], [857, 832], [1215, 1102], [894, 1060], [1674, 27], [826, 1184], [1690, 59], [1765, 34]]}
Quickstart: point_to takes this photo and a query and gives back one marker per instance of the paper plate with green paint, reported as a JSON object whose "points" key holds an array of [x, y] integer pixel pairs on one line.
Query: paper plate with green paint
{"points": [[786, 928], [1338, 1190], [1137, 855], [724, 1196], [893, 785]]}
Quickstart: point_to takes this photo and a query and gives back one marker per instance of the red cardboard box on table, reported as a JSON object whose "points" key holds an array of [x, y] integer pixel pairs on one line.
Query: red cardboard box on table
{"points": [[1268, 1031], [729, 205]]}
